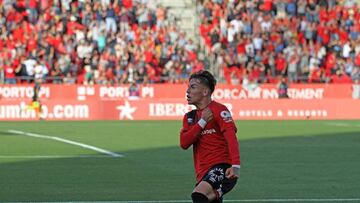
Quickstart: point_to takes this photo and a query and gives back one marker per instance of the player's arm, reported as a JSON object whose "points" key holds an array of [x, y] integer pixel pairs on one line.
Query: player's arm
{"points": [[233, 147], [228, 129], [189, 135]]}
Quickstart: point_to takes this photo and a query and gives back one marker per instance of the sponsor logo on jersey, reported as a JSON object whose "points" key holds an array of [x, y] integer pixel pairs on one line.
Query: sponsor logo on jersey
{"points": [[208, 131], [226, 116]]}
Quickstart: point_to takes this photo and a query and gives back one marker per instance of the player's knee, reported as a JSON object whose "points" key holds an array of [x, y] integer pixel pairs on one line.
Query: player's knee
{"points": [[199, 198]]}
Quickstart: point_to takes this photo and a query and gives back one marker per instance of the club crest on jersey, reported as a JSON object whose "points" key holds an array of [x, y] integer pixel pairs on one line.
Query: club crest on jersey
{"points": [[216, 175], [226, 116]]}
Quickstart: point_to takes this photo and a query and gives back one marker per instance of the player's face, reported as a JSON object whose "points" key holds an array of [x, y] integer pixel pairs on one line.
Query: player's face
{"points": [[195, 92]]}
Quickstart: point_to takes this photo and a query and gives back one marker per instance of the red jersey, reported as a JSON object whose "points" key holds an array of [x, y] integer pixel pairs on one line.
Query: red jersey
{"points": [[215, 144]]}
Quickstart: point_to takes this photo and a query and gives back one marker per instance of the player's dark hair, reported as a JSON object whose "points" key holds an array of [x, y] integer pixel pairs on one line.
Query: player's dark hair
{"points": [[206, 78]]}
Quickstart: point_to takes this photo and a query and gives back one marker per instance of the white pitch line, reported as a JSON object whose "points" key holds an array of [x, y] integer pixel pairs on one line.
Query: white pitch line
{"points": [[297, 200], [104, 151], [342, 125], [339, 124], [188, 201], [51, 156]]}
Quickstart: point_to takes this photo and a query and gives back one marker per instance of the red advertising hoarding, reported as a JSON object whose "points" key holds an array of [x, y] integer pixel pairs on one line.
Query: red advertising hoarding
{"points": [[167, 102]]}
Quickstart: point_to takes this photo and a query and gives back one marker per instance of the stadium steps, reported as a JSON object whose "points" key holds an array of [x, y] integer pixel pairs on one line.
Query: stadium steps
{"points": [[184, 11]]}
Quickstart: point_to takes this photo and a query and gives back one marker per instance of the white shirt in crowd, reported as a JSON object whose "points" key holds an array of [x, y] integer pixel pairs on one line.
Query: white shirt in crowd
{"points": [[40, 71], [258, 41], [231, 33], [238, 25], [249, 48], [266, 26], [346, 50], [29, 66], [84, 50], [314, 63]]}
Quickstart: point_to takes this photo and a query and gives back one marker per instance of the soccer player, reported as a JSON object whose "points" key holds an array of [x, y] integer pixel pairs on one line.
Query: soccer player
{"points": [[35, 103], [211, 131]]}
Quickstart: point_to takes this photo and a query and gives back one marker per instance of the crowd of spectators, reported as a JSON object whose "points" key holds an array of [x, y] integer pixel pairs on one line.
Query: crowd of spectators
{"points": [[127, 41], [92, 42], [259, 41]]}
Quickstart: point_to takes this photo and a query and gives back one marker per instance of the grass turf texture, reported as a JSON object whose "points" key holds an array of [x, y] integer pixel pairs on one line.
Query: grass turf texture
{"points": [[280, 159]]}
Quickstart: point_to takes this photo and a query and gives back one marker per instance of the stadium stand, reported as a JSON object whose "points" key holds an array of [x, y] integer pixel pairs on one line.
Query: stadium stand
{"points": [[315, 41], [94, 42], [145, 41]]}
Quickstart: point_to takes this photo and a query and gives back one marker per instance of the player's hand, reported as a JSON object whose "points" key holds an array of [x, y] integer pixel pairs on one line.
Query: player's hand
{"points": [[232, 173], [207, 114]]}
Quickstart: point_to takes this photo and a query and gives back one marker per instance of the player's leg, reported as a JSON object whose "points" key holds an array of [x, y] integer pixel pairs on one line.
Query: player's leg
{"points": [[211, 182], [214, 184], [226, 186], [37, 112], [203, 193], [36, 108], [198, 197], [41, 115]]}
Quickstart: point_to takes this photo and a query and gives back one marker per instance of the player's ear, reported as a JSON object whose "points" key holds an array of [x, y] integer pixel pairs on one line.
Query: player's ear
{"points": [[206, 92]]}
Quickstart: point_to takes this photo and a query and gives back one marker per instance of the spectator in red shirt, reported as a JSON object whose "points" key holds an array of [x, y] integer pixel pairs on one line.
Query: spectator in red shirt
{"points": [[280, 64], [266, 6], [211, 131], [340, 77], [32, 10], [9, 73]]}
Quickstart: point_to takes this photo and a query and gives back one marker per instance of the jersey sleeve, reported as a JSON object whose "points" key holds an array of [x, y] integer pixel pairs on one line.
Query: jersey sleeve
{"points": [[224, 119], [189, 134], [228, 129]]}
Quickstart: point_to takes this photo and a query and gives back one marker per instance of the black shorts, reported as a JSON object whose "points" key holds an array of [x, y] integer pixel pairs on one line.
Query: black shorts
{"points": [[216, 178]]}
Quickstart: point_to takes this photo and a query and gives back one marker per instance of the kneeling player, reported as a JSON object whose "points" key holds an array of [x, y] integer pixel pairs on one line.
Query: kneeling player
{"points": [[211, 131]]}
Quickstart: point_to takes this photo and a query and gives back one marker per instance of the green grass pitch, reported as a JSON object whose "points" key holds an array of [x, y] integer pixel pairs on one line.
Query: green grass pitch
{"points": [[280, 159]]}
